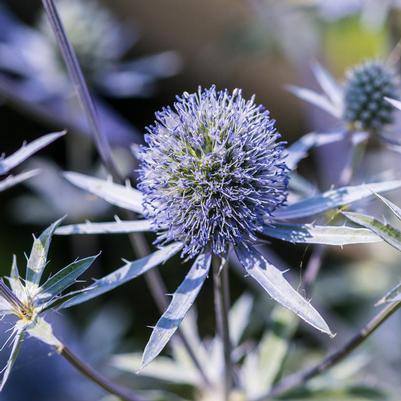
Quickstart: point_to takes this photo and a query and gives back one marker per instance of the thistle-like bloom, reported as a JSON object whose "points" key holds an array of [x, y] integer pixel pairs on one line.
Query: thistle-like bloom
{"points": [[366, 88], [213, 171], [214, 178], [363, 103], [26, 299]]}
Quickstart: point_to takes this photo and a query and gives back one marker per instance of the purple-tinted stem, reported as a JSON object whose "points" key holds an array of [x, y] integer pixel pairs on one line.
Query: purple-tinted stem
{"points": [[81, 87]]}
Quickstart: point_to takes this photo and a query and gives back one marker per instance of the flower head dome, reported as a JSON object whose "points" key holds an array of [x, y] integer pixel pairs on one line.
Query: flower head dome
{"points": [[365, 89], [212, 170], [94, 32]]}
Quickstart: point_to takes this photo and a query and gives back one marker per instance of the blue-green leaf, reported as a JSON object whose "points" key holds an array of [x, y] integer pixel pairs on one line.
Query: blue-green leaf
{"points": [[118, 195], [38, 257], [125, 273], [25, 151], [182, 300], [390, 234], [274, 283], [64, 278], [311, 234], [13, 180], [333, 198], [114, 227]]}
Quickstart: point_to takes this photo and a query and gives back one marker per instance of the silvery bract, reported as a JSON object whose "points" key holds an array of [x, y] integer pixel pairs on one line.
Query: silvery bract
{"points": [[9, 163]]}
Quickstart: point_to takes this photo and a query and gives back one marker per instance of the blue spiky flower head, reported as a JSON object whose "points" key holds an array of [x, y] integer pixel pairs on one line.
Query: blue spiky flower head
{"points": [[212, 170], [366, 87]]}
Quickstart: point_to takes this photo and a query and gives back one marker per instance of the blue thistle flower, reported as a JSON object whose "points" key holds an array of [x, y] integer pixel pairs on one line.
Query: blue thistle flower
{"points": [[365, 90], [212, 171]]}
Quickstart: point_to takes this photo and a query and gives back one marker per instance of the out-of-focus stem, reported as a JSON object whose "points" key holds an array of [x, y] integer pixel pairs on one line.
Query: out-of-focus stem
{"points": [[88, 371], [80, 85], [221, 303], [300, 378]]}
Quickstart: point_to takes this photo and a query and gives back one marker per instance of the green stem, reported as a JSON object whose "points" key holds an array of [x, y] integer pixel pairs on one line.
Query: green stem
{"points": [[88, 371], [222, 305], [300, 378]]}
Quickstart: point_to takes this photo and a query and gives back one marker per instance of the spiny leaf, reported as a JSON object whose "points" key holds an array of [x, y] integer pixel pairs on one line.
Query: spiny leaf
{"points": [[124, 274], [25, 151], [38, 257], [273, 281], [333, 198], [182, 300], [311, 234], [114, 227], [64, 278], [390, 234], [13, 180], [118, 195]]}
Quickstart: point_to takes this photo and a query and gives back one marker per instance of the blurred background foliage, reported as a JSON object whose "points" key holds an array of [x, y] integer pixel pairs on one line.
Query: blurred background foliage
{"points": [[259, 46]]}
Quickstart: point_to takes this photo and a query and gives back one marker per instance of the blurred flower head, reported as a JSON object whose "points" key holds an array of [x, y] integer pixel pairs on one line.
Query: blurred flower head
{"points": [[213, 167], [365, 90]]}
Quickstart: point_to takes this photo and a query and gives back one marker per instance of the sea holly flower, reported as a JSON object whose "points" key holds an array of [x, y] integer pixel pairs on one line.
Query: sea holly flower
{"points": [[27, 299], [9, 163], [214, 178], [360, 103], [365, 90]]}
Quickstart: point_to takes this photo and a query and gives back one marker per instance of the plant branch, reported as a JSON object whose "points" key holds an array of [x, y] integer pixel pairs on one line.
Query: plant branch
{"points": [[88, 371], [221, 302], [300, 378], [81, 87]]}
